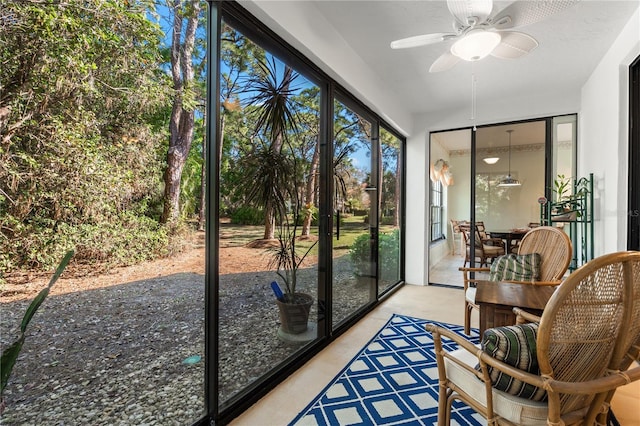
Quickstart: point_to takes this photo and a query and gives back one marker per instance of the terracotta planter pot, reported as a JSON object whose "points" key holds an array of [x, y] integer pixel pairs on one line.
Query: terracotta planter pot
{"points": [[294, 312]]}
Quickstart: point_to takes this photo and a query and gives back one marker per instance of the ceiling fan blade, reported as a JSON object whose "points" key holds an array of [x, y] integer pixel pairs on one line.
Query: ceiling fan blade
{"points": [[446, 61], [521, 13], [463, 9], [421, 40], [513, 45]]}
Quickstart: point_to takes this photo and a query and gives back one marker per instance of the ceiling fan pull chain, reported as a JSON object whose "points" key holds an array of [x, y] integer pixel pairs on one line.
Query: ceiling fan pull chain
{"points": [[473, 96]]}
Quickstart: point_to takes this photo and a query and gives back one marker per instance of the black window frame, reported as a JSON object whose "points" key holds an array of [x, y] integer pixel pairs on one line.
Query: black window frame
{"points": [[235, 15]]}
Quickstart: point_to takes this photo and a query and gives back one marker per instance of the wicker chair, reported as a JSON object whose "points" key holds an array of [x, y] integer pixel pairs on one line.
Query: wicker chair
{"points": [[588, 337], [555, 249], [486, 249]]}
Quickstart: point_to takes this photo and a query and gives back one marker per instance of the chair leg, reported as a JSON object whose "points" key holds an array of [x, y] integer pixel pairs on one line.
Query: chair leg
{"points": [[467, 318], [444, 406]]}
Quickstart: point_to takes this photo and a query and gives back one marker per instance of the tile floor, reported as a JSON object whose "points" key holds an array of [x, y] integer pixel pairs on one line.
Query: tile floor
{"points": [[282, 404]]}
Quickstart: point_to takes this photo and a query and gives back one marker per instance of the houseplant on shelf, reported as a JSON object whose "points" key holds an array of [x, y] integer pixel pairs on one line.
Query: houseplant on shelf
{"points": [[568, 197]]}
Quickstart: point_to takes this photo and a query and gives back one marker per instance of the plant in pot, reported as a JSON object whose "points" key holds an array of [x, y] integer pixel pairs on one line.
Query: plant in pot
{"points": [[567, 197], [564, 206], [272, 183], [273, 170], [287, 259]]}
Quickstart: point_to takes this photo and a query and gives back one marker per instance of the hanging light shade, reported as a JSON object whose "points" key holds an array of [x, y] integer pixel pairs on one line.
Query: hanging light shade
{"points": [[509, 181], [439, 171], [491, 160], [476, 44]]}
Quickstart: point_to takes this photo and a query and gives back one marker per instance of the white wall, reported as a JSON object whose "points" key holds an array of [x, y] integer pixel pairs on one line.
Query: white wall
{"points": [[603, 141], [417, 241]]}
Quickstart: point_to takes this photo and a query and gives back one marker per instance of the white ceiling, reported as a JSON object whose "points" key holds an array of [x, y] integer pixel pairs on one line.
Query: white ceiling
{"points": [[571, 44]]}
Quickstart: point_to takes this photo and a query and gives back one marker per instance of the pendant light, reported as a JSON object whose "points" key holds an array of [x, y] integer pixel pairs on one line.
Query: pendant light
{"points": [[509, 181]]}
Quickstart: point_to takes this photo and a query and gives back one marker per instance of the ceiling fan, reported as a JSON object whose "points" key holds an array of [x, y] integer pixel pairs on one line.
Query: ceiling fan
{"points": [[479, 33]]}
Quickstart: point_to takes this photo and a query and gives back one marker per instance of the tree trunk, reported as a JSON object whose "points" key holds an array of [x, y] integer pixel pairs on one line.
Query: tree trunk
{"points": [[269, 222], [182, 120], [203, 178], [311, 189], [269, 211]]}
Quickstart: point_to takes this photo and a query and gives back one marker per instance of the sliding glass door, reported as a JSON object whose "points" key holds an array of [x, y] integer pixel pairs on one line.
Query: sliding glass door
{"points": [[305, 212], [500, 176], [355, 212], [267, 215], [390, 210]]}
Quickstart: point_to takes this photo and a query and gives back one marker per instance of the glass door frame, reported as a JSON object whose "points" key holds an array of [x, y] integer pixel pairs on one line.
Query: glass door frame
{"points": [[235, 14], [549, 171], [354, 106]]}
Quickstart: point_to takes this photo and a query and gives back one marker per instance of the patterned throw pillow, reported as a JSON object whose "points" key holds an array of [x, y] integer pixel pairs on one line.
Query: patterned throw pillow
{"points": [[514, 345], [514, 267]]}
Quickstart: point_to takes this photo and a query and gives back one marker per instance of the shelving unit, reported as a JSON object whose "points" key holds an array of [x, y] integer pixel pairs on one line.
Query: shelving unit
{"points": [[576, 211]]}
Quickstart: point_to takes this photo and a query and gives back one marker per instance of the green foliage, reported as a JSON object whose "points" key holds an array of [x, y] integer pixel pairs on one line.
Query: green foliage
{"points": [[562, 187], [360, 253], [10, 354], [82, 94], [388, 250], [247, 215], [389, 255], [191, 181]]}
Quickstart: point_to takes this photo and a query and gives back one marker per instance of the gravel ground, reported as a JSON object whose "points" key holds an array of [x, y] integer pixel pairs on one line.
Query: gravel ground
{"points": [[119, 355]]}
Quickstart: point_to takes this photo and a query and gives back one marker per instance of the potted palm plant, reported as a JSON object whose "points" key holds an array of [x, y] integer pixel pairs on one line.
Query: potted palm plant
{"points": [[273, 181], [286, 259]]}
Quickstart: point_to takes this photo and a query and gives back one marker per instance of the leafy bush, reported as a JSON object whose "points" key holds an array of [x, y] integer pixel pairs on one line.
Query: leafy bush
{"points": [[389, 254], [360, 253], [247, 215], [124, 240]]}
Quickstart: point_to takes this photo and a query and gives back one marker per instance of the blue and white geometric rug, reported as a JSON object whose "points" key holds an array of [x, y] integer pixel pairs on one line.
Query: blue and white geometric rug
{"points": [[393, 380]]}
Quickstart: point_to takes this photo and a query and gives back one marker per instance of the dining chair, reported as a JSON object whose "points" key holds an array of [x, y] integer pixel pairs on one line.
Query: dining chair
{"points": [[486, 249], [456, 232], [555, 250], [563, 369]]}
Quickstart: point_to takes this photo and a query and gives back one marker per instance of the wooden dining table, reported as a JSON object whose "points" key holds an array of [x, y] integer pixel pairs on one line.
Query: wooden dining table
{"points": [[509, 236], [496, 301]]}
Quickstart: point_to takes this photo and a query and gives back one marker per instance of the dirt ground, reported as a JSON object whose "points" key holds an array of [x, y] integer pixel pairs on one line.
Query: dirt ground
{"points": [[233, 259], [94, 335]]}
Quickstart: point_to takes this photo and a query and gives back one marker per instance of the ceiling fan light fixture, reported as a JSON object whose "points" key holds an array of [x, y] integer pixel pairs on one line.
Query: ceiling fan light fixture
{"points": [[491, 160], [476, 45]]}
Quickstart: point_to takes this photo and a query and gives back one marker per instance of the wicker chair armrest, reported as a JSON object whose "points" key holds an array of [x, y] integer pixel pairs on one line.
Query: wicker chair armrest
{"points": [[601, 384], [461, 341], [547, 283], [523, 316], [461, 269], [484, 360]]}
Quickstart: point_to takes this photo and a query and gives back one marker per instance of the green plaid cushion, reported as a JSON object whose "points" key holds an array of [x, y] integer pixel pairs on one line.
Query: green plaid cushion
{"points": [[515, 345], [514, 267]]}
